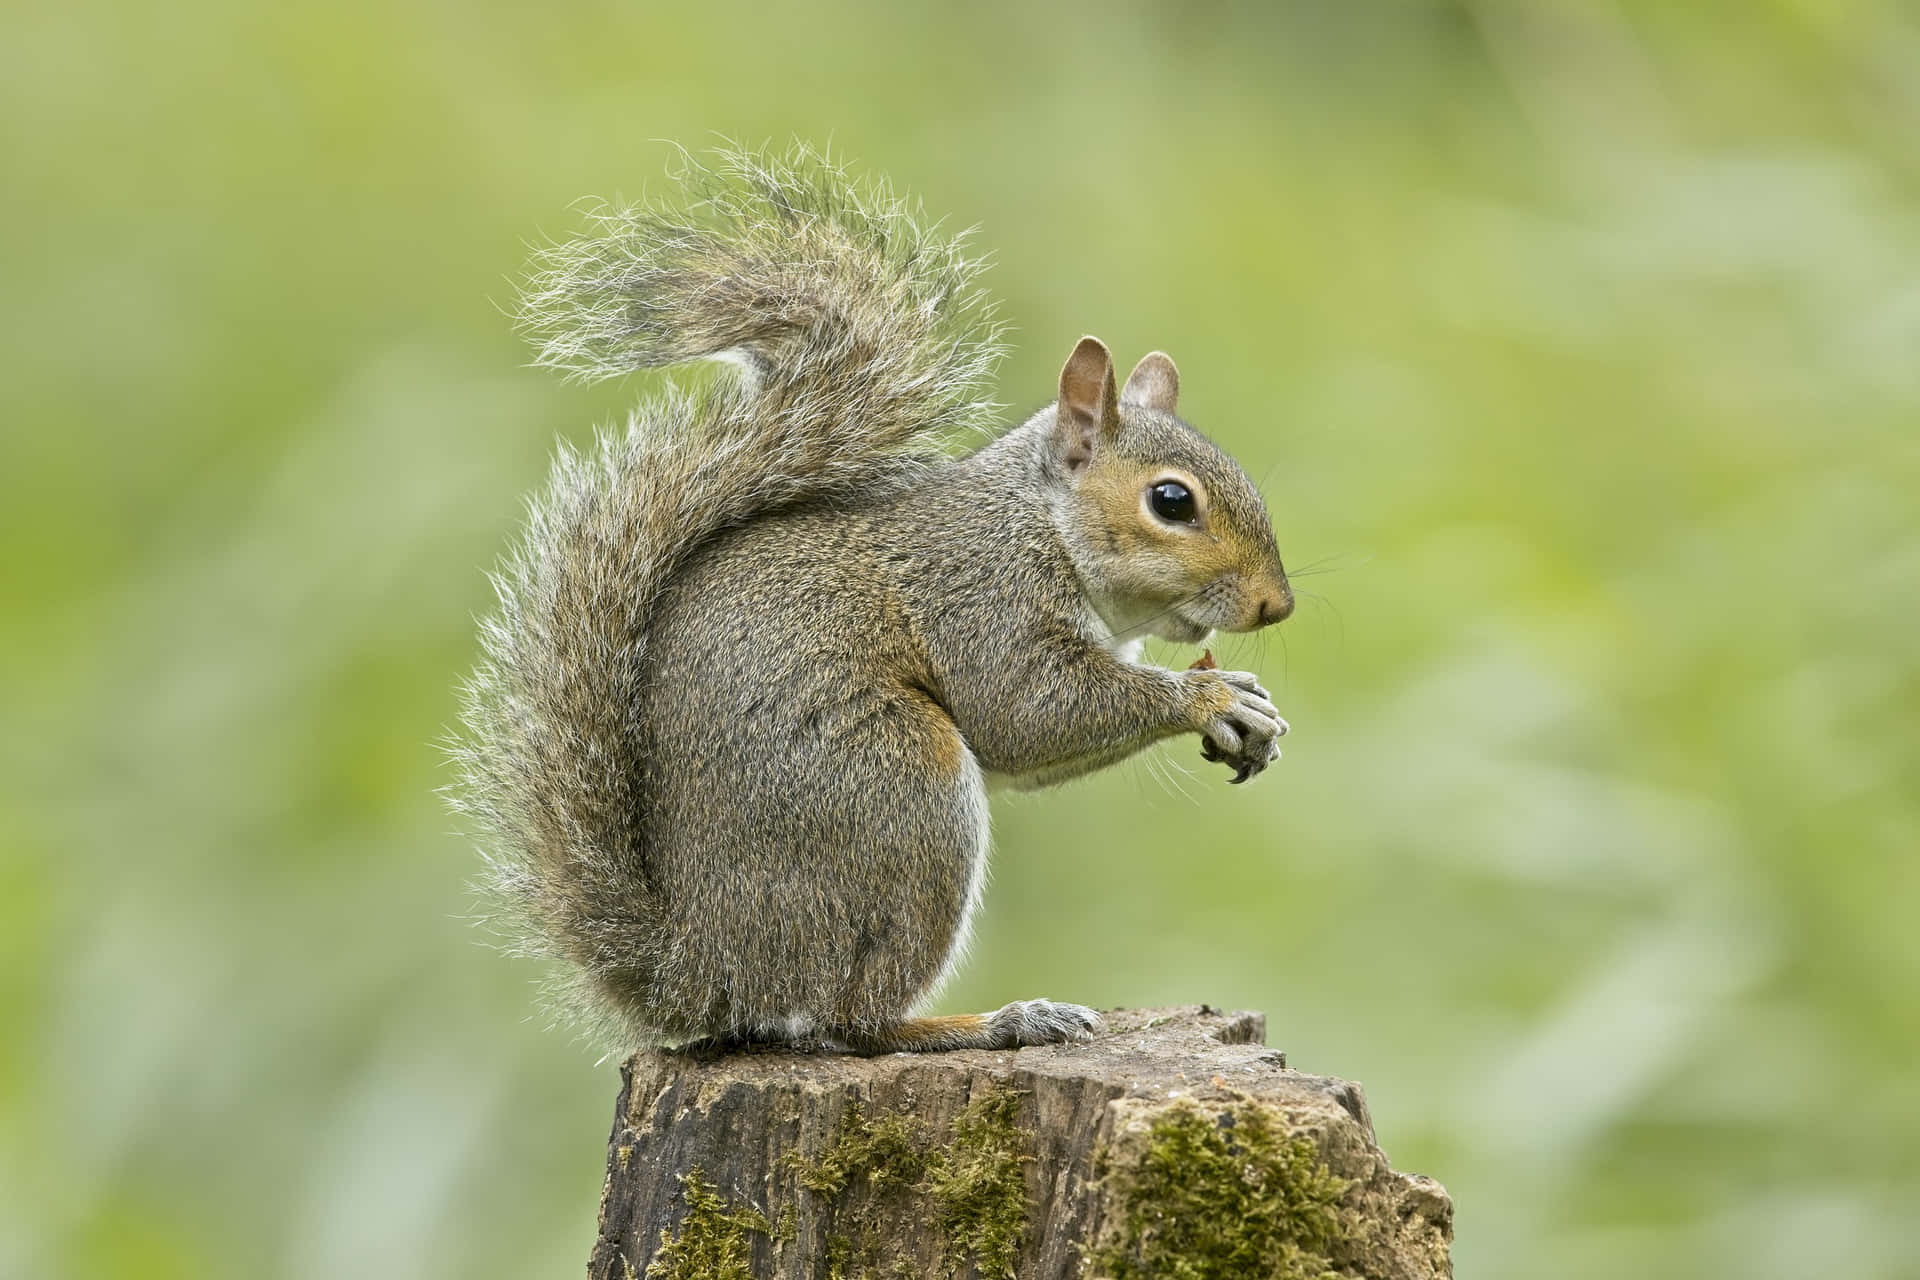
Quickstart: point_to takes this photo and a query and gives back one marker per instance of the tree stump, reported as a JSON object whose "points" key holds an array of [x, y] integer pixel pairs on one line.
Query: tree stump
{"points": [[1173, 1143]]}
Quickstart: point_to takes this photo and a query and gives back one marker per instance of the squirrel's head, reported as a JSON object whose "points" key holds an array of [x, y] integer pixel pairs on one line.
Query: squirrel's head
{"points": [[1169, 536]]}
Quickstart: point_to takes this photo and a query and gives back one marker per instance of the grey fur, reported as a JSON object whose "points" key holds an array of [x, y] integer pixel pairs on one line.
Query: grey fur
{"points": [[755, 657]]}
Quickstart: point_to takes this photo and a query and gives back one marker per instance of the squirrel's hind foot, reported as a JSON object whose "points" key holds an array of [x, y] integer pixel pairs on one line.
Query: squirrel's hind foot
{"points": [[1014, 1026], [1035, 1022]]}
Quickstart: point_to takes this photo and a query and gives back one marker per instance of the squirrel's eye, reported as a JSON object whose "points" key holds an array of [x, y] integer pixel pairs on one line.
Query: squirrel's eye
{"points": [[1171, 501]]}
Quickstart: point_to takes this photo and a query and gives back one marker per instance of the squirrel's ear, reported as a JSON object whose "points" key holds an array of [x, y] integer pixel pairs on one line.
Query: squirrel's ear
{"points": [[1154, 383], [1089, 409]]}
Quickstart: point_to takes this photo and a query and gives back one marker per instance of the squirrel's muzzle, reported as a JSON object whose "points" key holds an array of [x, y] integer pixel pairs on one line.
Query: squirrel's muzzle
{"points": [[1273, 608]]}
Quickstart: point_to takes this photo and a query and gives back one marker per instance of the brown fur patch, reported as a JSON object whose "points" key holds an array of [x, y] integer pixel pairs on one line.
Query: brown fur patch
{"points": [[915, 1031], [1219, 698], [945, 747], [1114, 487]]}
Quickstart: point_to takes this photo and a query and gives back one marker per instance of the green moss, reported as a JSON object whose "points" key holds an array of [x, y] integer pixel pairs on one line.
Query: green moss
{"points": [[978, 1185], [714, 1240], [1219, 1193], [890, 1151], [969, 1182]]}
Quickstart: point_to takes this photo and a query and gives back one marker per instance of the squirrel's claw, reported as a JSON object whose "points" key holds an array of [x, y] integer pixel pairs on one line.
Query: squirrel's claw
{"points": [[1246, 738]]}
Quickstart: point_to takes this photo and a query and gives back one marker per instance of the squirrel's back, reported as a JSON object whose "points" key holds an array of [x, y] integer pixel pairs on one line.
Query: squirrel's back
{"points": [[856, 340]]}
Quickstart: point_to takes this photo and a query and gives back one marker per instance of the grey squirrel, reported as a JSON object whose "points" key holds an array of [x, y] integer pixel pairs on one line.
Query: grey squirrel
{"points": [[757, 656]]}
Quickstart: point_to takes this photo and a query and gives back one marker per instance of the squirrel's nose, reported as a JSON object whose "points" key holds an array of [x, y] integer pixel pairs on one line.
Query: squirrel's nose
{"points": [[1274, 608]]}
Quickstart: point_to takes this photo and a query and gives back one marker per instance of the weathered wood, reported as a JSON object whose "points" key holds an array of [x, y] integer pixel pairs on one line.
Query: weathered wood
{"points": [[1176, 1134]]}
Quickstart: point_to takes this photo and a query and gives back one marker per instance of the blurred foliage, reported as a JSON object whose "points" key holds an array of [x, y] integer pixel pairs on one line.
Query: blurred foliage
{"points": [[1578, 345]]}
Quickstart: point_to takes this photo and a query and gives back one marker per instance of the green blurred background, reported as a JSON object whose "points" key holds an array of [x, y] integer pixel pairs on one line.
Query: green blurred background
{"points": [[1578, 345]]}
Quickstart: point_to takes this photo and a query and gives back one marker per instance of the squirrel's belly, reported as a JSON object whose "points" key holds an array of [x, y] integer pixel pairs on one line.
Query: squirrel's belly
{"points": [[974, 788]]}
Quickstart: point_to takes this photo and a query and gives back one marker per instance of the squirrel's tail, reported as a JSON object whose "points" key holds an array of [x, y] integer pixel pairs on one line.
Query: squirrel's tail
{"points": [[857, 339]]}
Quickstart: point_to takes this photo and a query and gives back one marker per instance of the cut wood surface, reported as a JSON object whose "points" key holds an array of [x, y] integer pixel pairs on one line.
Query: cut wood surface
{"points": [[1174, 1143]]}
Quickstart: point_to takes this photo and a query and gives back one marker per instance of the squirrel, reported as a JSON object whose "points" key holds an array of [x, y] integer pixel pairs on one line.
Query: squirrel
{"points": [[757, 656]]}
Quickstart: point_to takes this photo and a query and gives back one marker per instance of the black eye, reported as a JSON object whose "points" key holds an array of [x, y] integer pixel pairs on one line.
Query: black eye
{"points": [[1171, 502]]}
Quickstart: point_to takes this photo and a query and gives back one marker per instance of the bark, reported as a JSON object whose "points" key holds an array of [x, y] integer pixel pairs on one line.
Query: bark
{"points": [[1175, 1142]]}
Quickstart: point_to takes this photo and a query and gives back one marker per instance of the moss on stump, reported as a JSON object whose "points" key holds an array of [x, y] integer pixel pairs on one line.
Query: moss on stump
{"points": [[1174, 1145]]}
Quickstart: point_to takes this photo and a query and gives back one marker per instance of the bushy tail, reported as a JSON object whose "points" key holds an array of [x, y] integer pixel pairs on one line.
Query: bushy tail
{"points": [[858, 340]]}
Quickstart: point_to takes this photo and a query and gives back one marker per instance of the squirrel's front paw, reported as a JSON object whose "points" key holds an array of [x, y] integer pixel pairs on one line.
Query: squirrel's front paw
{"points": [[1028, 1022], [1246, 735]]}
